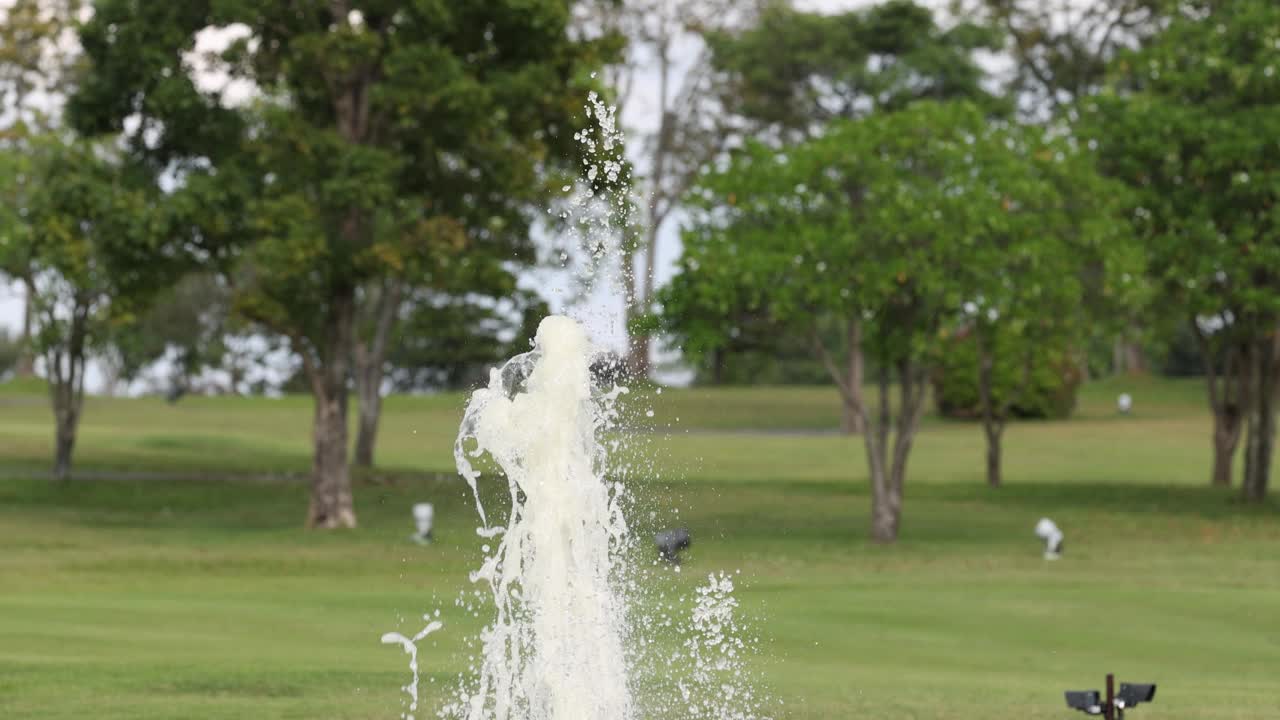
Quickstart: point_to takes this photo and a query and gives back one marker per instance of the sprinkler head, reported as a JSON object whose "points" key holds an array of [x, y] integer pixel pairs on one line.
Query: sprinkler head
{"points": [[671, 542], [424, 515], [1124, 403], [1054, 540]]}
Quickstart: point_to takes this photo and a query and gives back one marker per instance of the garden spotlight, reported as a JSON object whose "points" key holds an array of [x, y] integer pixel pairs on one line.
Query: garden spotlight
{"points": [[1087, 701], [671, 542], [1132, 694], [1053, 538], [1124, 403], [424, 516], [1091, 702]]}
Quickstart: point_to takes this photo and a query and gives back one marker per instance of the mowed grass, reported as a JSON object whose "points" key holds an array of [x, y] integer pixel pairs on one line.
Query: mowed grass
{"points": [[166, 598]]}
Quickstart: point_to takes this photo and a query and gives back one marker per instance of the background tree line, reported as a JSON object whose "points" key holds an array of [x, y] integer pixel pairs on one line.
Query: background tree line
{"points": [[909, 220], [863, 201]]}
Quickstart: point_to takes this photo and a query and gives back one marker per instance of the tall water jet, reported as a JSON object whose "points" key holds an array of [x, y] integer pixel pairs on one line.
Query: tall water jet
{"points": [[555, 649], [575, 634]]}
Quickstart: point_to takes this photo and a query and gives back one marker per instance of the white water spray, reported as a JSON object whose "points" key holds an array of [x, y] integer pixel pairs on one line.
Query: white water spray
{"points": [[565, 642], [410, 646], [555, 648]]}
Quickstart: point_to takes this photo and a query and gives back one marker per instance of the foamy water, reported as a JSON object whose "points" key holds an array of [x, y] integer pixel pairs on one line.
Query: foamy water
{"points": [[555, 647]]}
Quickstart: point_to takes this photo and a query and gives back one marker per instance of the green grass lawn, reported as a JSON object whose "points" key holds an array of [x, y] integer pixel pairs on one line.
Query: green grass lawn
{"points": [[204, 599]]}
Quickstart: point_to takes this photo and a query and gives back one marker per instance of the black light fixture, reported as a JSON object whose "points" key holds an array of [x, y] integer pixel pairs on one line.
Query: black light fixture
{"points": [[1087, 701], [1132, 694], [671, 542], [1091, 702]]}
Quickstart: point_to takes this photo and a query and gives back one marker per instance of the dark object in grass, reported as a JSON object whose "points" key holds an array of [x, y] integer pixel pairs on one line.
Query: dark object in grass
{"points": [[1087, 701], [1112, 707], [671, 542], [1135, 693], [1054, 540]]}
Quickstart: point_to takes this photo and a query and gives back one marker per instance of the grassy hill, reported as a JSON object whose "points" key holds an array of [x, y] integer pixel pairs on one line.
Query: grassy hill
{"points": [[166, 597]]}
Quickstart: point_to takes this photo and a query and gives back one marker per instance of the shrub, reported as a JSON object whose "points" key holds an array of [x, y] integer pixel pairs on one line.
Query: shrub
{"points": [[1051, 393]]}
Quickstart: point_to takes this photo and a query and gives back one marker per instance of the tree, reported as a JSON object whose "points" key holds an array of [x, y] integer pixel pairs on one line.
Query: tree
{"points": [[378, 130], [1047, 392], [422, 306], [879, 224], [1060, 50], [189, 324], [92, 235], [1187, 125], [450, 341], [791, 74], [36, 68], [1056, 219]]}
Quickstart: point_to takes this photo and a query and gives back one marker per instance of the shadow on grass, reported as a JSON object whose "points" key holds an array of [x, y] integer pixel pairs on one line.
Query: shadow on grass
{"points": [[1206, 502]]}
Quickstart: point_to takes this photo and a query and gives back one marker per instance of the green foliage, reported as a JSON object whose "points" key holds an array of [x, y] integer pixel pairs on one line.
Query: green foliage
{"points": [[796, 71], [1046, 392], [1190, 129], [903, 220], [1060, 52], [449, 341], [189, 318], [91, 239], [383, 142]]}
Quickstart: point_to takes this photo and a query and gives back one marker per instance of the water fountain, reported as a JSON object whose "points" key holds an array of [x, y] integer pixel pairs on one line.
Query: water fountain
{"points": [[568, 639], [555, 647]]}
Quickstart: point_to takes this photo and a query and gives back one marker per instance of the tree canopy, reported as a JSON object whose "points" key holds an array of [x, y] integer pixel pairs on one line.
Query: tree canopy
{"points": [[895, 226], [378, 143], [1190, 124], [794, 71]]}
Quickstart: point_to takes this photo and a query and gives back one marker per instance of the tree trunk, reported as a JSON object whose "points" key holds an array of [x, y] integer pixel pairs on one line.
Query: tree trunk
{"points": [[66, 384], [912, 389], [65, 425], [370, 360], [1228, 391], [331, 501], [638, 363], [640, 342], [1128, 357], [851, 421], [992, 422], [26, 365], [884, 514], [1226, 437], [332, 505], [994, 432], [1135, 360], [370, 409], [1259, 449], [886, 479], [850, 418]]}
